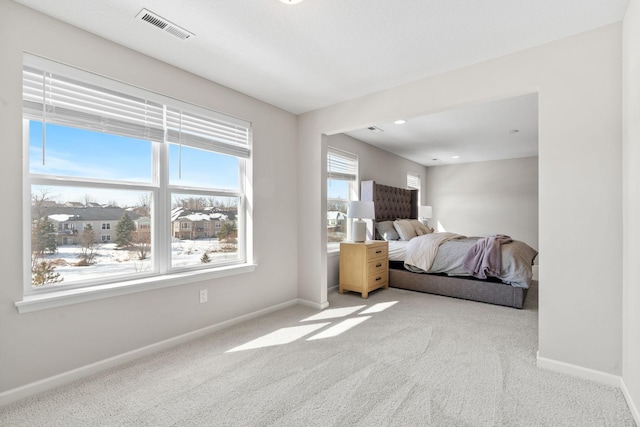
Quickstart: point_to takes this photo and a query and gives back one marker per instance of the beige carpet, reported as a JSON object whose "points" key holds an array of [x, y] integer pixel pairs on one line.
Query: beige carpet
{"points": [[398, 358]]}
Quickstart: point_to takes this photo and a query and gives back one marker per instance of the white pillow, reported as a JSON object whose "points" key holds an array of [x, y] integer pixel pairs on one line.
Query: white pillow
{"points": [[405, 229]]}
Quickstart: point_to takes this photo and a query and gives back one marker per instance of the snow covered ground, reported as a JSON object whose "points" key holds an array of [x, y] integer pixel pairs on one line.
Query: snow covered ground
{"points": [[110, 261]]}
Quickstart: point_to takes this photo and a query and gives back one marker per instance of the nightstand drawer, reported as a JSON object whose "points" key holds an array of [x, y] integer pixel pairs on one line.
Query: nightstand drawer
{"points": [[377, 267], [378, 280], [377, 251]]}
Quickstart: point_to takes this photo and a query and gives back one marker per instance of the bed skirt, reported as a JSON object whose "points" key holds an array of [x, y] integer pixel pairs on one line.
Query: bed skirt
{"points": [[489, 291]]}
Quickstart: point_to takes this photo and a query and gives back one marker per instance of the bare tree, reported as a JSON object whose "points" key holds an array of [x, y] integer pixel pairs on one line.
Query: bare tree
{"points": [[87, 199], [144, 204], [191, 203], [88, 245], [141, 243], [43, 240]]}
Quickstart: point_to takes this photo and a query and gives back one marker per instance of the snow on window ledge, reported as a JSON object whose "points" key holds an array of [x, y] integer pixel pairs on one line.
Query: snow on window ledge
{"points": [[48, 300]]}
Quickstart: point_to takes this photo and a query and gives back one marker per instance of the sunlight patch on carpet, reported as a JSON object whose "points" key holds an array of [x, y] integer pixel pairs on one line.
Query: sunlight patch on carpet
{"points": [[340, 328], [333, 313], [377, 308], [280, 337]]}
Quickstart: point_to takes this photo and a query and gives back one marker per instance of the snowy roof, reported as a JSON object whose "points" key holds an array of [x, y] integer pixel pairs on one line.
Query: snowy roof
{"points": [[202, 217], [58, 213], [181, 213], [61, 217], [197, 217], [335, 215], [220, 216]]}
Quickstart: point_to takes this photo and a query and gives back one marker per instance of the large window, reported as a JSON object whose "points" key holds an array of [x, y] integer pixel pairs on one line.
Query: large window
{"points": [[124, 184], [342, 187]]}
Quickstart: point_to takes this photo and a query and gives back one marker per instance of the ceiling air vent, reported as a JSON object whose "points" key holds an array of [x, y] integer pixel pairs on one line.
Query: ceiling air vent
{"points": [[163, 24]]}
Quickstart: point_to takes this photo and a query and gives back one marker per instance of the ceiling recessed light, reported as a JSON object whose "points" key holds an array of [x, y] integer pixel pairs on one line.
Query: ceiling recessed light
{"points": [[400, 122], [455, 157], [290, 1]]}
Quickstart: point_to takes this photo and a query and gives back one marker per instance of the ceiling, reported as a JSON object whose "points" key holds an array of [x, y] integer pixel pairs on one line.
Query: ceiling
{"points": [[503, 129], [305, 56]]}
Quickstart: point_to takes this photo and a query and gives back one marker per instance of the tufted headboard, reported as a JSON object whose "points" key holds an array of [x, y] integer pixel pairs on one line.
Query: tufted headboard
{"points": [[390, 203]]}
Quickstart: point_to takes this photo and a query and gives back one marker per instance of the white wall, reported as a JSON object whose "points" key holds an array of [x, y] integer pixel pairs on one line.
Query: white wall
{"points": [[578, 80], [478, 199], [377, 165], [37, 345], [631, 205]]}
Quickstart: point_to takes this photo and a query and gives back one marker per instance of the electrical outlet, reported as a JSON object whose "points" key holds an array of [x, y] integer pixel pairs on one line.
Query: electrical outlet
{"points": [[203, 295]]}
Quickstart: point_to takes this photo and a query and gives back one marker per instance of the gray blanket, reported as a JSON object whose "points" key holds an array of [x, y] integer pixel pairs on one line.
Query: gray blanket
{"points": [[485, 257]]}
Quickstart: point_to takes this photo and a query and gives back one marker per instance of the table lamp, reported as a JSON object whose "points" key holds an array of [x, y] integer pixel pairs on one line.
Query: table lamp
{"points": [[358, 210]]}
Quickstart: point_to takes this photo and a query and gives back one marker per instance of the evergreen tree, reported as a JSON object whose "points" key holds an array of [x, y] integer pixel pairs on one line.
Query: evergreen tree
{"points": [[124, 231], [43, 237]]}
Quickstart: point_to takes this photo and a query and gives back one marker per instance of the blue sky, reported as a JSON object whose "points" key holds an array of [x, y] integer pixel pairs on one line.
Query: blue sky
{"points": [[87, 154], [337, 189]]}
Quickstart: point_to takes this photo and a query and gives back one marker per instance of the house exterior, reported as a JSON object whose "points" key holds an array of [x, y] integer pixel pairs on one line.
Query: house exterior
{"points": [[71, 220], [188, 224]]}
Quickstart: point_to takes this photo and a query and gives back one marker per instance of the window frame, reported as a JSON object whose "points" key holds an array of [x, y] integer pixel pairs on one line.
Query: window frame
{"points": [[163, 273]]}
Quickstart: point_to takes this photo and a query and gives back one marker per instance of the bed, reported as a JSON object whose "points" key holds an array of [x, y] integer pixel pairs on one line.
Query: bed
{"points": [[444, 273]]}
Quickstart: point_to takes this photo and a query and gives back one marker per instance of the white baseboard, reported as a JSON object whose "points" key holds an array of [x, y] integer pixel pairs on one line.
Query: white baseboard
{"points": [[632, 405], [578, 371], [27, 390], [593, 375], [317, 306]]}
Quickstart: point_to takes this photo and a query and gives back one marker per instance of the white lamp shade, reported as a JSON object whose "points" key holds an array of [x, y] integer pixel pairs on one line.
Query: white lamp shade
{"points": [[425, 212], [361, 209]]}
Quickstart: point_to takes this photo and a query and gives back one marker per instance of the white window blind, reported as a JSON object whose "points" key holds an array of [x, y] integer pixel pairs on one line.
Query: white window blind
{"points": [[221, 134], [52, 94], [54, 98], [413, 181], [341, 165]]}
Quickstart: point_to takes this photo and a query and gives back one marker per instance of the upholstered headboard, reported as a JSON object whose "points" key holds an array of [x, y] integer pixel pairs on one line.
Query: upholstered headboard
{"points": [[390, 203]]}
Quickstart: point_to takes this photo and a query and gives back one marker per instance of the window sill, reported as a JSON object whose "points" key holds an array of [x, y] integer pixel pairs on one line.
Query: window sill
{"points": [[74, 296]]}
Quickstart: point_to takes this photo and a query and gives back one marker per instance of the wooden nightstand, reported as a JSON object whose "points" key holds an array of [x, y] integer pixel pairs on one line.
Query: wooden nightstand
{"points": [[364, 266]]}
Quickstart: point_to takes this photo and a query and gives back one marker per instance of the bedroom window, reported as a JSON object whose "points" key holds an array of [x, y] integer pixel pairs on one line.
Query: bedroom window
{"points": [[151, 172], [342, 187], [413, 183]]}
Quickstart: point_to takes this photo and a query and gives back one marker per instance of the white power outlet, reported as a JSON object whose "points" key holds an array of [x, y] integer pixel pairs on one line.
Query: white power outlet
{"points": [[203, 295]]}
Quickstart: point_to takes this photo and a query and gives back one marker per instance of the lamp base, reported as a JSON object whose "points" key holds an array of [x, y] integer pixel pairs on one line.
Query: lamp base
{"points": [[359, 233]]}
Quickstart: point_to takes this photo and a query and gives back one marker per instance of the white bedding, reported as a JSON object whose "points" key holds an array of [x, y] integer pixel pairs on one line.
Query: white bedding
{"points": [[422, 250], [397, 250]]}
